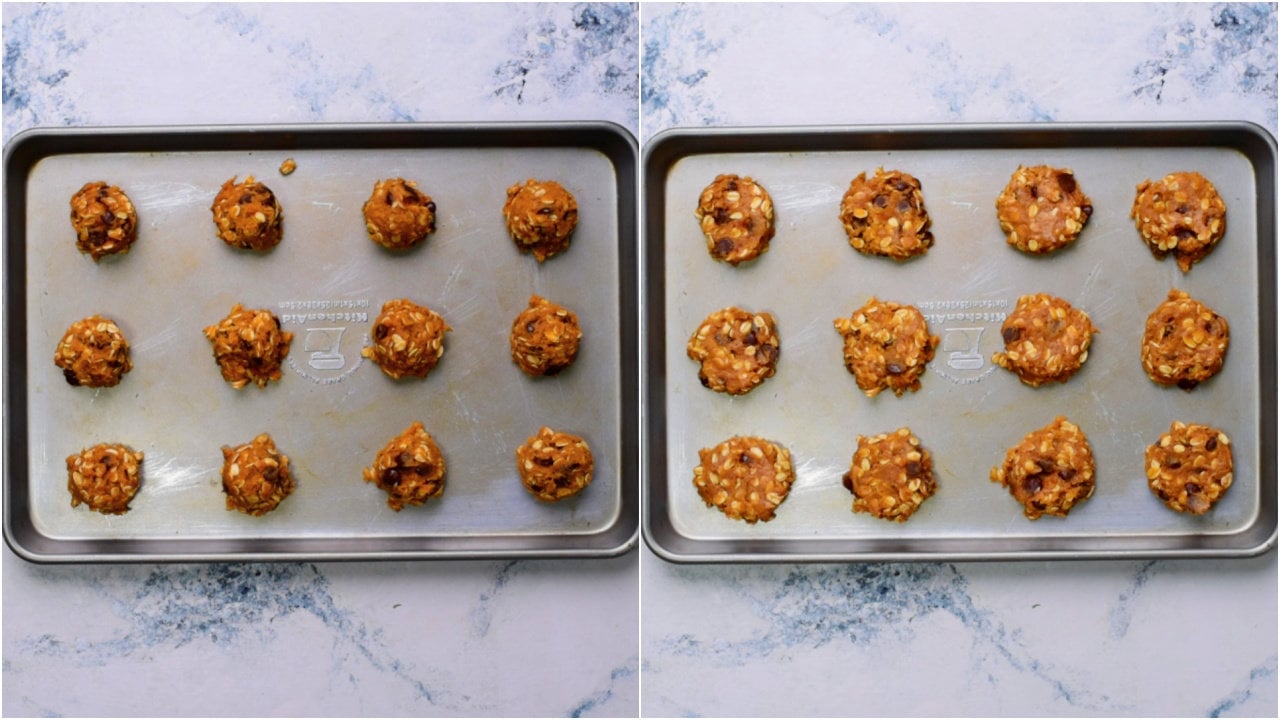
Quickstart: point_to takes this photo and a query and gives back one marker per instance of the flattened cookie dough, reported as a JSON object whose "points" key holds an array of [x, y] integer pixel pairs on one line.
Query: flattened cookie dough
{"points": [[105, 477], [408, 339], [1045, 340], [255, 476], [737, 350], [890, 475], [398, 215], [1050, 471], [554, 465], [541, 216], [93, 353], [746, 478], [1180, 214], [410, 468], [1185, 342], [104, 219], [1042, 209], [247, 215], [886, 346], [249, 346], [885, 215], [545, 337], [736, 215], [1190, 467]]}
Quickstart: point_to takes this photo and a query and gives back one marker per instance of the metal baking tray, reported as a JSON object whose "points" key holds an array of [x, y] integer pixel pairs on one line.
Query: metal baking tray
{"points": [[332, 411], [968, 412]]}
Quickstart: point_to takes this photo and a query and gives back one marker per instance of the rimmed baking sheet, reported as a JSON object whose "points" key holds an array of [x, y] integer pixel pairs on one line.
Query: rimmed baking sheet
{"points": [[333, 410], [968, 412]]}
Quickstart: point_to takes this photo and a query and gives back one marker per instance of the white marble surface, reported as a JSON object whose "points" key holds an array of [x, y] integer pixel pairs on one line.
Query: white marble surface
{"points": [[541, 638], [1128, 638]]}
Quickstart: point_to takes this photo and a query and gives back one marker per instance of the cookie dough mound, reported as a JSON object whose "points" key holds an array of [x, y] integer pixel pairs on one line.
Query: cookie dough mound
{"points": [[247, 215], [1185, 342], [1180, 214], [1190, 467], [249, 346], [737, 350], [1050, 471], [890, 475], [105, 477], [886, 346], [1045, 340], [410, 468], [885, 215], [545, 337], [746, 478], [554, 465], [1042, 209], [255, 476], [408, 339], [736, 215], [541, 216], [93, 353], [398, 215], [104, 220]]}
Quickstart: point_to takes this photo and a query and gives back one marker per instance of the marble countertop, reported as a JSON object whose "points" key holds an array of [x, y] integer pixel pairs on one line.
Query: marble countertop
{"points": [[554, 638]]}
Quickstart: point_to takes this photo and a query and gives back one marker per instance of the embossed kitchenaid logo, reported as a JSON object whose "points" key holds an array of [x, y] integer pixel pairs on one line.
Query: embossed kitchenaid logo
{"points": [[328, 336], [970, 333]]}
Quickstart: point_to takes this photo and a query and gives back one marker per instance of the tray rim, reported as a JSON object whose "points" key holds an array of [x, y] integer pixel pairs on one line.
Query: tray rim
{"points": [[28, 147], [667, 147]]}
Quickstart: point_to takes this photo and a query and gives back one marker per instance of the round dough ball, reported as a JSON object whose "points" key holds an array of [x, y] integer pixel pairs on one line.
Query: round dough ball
{"points": [[93, 353], [1190, 467], [736, 215], [249, 346], [1180, 214], [408, 339], [1045, 340], [398, 215], [554, 465], [886, 346], [736, 350], [1042, 209], [1185, 343], [885, 215], [105, 477], [104, 219], [545, 337], [247, 215], [746, 478], [255, 476], [541, 216], [409, 468], [890, 475], [1050, 471]]}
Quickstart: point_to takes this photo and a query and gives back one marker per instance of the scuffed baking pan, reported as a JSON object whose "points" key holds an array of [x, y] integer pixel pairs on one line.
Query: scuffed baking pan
{"points": [[968, 412], [332, 410]]}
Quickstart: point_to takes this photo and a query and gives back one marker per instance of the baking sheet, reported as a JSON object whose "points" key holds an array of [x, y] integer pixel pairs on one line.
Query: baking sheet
{"points": [[968, 411], [333, 410]]}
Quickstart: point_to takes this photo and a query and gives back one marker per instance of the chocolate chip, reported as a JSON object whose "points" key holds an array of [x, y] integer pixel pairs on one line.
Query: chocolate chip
{"points": [[545, 211], [1032, 484], [894, 369], [544, 461], [766, 353], [750, 338], [732, 185], [246, 198], [390, 200], [1035, 191], [1211, 444], [108, 216], [392, 476], [70, 375], [1193, 488], [914, 468], [380, 331], [1086, 212], [1068, 473], [703, 379], [721, 216], [903, 206], [1181, 210], [1044, 465], [1067, 182], [724, 246], [847, 481], [1184, 233], [1174, 465], [271, 473], [431, 206], [1011, 334], [881, 201], [1187, 383], [899, 184], [744, 458]]}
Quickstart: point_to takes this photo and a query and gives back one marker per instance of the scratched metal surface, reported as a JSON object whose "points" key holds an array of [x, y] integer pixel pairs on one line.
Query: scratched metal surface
{"points": [[968, 411], [332, 411]]}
